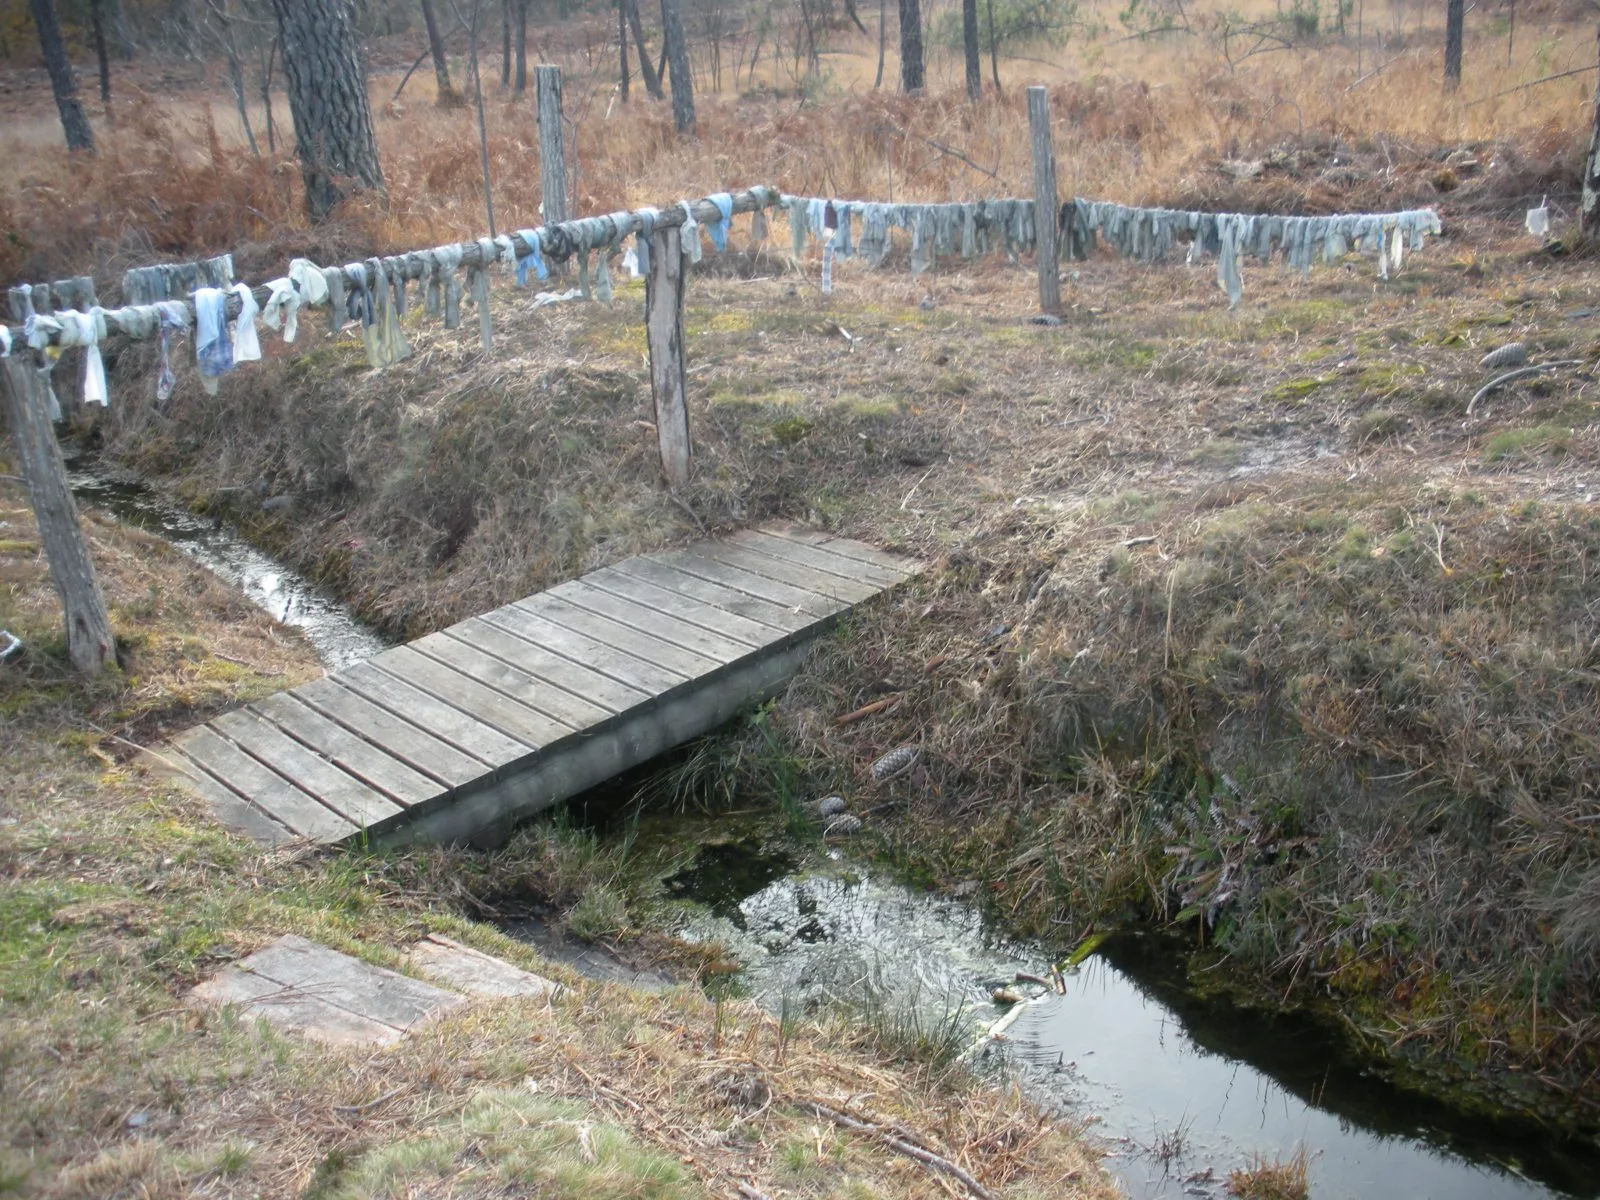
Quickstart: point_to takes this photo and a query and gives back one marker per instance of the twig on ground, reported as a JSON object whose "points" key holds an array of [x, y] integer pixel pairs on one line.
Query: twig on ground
{"points": [[927, 1157], [370, 1104], [1501, 380], [866, 710]]}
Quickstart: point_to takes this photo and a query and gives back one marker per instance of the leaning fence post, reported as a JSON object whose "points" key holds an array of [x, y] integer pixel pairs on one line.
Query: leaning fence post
{"points": [[1045, 200], [90, 643], [663, 323], [552, 154]]}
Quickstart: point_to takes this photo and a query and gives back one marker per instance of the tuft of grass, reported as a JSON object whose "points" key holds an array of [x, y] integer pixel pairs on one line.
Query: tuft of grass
{"points": [[600, 914], [1271, 1179], [1523, 444]]}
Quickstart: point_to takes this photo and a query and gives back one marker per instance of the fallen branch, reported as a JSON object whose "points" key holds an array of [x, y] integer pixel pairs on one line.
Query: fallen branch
{"points": [[927, 1157], [866, 710], [1501, 380], [1522, 87], [370, 1104]]}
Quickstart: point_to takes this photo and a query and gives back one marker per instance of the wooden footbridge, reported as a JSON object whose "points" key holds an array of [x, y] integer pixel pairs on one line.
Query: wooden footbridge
{"points": [[460, 734]]}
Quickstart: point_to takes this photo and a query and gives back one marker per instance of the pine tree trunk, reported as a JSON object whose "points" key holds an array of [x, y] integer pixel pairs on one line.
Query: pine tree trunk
{"points": [[445, 94], [969, 47], [328, 99], [911, 74], [883, 38], [682, 77], [647, 70], [994, 49], [1455, 20], [90, 643], [1589, 203], [97, 23], [62, 82], [505, 43], [622, 49], [520, 21]]}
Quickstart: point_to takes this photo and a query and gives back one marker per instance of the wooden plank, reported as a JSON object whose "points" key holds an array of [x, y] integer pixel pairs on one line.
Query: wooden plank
{"points": [[761, 586], [613, 633], [343, 793], [1045, 199], [293, 1010], [560, 707], [775, 616], [356, 755], [466, 733], [468, 970], [842, 546], [271, 793], [519, 623], [831, 586], [359, 987], [407, 742], [660, 625], [573, 678], [478, 702], [228, 807], [817, 558], [685, 608]]}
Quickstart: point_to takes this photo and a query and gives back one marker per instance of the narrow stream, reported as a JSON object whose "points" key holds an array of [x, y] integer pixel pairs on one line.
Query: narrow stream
{"points": [[338, 638], [1180, 1090]]}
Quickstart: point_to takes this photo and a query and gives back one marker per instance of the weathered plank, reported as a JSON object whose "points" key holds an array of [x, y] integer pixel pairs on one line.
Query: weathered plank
{"points": [[407, 742], [715, 571], [659, 625], [685, 608], [354, 754], [346, 795], [228, 807], [359, 987], [663, 575], [495, 630], [842, 546], [292, 1009], [613, 633], [1045, 199], [299, 811], [832, 587], [477, 702], [593, 688], [468, 970], [452, 725], [816, 558], [566, 710]]}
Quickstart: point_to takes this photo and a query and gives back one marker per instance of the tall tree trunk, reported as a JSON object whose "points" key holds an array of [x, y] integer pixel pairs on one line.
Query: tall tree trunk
{"points": [[969, 48], [883, 39], [62, 82], [994, 49], [97, 23], [1455, 21], [266, 95], [911, 74], [505, 43], [1589, 203], [444, 93], [328, 98], [622, 49], [682, 77], [119, 31], [647, 71], [520, 22]]}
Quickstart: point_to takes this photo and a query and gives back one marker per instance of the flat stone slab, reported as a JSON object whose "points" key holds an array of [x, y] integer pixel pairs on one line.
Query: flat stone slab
{"points": [[305, 988], [472, 971]]}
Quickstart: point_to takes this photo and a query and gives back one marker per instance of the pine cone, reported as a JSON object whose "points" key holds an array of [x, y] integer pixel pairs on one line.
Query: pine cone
{"points": [[1513, 354], [897, 762]]}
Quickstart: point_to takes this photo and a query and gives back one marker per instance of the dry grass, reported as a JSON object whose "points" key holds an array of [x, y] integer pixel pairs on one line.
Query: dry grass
{"points": [[116, 895], [1271, 1179]]}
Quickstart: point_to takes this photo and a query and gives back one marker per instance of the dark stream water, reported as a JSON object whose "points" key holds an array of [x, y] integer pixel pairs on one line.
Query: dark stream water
{"points": [[1180, 1089], [339, 639]]}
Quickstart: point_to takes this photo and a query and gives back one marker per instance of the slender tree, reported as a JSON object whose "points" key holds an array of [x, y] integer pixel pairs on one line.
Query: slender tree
{"points": [[97, 24], [883, 37], [328, 100], [622, 49], [219, 9], [62, 82], [912, 78], [1589, 203], [682, 77], [505, 43], [994, 49], [1454, 22], [444, 93], [519, 19], [647, 70], [969, 48]]}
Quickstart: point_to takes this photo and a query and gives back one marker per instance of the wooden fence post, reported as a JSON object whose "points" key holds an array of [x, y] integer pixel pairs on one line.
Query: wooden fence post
{"points": [[89, 639], [1045, 199], [552, 154], [663, 322]]}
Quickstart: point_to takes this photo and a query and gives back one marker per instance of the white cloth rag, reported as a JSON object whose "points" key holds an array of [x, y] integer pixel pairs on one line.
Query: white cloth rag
{"points": [[309, 281], [87, 330], [283, 307], [246, 345]]}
